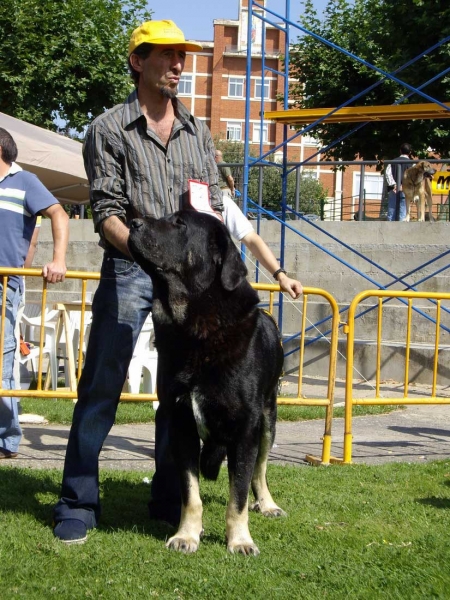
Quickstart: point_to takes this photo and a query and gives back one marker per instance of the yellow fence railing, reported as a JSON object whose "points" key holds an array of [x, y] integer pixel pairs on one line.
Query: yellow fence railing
{"points": [[408, 298], [63, 327]]}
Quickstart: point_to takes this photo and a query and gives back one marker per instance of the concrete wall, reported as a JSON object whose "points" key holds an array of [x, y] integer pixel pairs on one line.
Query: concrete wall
{"points": [[397, 247]]}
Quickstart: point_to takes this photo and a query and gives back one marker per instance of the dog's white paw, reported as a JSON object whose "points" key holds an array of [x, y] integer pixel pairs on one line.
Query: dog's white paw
{"points": [[185, 544], [268, 511], [247, 547]]}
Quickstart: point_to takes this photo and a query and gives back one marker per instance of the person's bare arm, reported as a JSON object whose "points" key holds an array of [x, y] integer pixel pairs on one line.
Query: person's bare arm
{"points": [[117, 233], [230, 182], [32, 249], [266, 257], [55, 270]]}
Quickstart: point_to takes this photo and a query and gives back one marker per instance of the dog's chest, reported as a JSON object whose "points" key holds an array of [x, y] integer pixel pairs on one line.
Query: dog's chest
{"points": [[197, 400]]}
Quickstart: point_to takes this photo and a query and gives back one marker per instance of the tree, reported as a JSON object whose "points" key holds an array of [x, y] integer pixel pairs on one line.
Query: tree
{"points": [[65, 61], [311, 191], [385, 33]]}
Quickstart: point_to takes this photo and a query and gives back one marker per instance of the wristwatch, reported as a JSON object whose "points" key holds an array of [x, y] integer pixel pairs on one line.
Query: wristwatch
{"points": [[277, 272]]}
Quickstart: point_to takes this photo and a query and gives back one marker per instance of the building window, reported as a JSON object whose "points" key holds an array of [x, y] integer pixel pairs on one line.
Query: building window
{"points": [[259, 88], [309, 140], [236, 87], [310, 173], [257, 133], [185, 85], [234, 131], [373, 185]]}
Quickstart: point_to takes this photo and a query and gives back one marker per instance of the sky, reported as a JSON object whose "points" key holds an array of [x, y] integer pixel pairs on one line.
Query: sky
{"points": [[195, 18]]}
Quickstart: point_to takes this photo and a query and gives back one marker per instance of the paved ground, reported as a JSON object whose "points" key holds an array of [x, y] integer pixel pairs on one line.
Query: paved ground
{"points": [[413, 434]]}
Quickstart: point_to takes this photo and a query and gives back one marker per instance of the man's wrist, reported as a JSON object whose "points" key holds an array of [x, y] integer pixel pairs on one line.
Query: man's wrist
{"points": [[277, 272]]}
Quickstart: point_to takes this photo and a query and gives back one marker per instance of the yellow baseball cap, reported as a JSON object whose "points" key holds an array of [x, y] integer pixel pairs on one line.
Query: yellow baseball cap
{"points": [[163, 33]]}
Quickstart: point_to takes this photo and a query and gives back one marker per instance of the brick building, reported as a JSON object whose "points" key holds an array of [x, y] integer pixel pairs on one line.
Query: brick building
{"points": [[214, 87]]}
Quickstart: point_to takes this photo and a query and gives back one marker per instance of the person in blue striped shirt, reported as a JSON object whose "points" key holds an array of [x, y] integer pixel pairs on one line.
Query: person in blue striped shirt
{"points": [[22, 198]]}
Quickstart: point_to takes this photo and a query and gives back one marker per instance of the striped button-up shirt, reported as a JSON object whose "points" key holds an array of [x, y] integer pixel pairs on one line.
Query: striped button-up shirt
{"points": [[132, 173]]}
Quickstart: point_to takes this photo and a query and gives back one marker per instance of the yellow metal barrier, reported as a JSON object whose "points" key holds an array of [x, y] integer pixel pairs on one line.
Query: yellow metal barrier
{"points": [[42, 390], [301, 400], [349, 329]]}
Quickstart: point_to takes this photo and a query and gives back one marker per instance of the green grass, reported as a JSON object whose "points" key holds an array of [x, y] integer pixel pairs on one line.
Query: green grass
{"points": [[352, 532], [60, 411], [308, 413]]}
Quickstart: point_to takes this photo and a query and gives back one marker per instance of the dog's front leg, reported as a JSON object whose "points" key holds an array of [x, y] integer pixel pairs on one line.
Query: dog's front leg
{"points": [[187, 538], [185, 444], [408, 206], [421, 203], [241, 462]]}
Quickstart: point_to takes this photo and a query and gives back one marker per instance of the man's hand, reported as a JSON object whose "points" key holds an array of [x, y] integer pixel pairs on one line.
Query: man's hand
{"points": [[290, 286], [54, 272]]}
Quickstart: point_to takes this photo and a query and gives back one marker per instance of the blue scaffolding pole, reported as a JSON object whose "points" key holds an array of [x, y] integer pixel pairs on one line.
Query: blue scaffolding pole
{"points": [[257, 11]]}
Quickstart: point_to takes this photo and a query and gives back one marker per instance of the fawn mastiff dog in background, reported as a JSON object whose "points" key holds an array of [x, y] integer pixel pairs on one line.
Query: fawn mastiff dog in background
{"points": [[219, 362], [416, 186]]}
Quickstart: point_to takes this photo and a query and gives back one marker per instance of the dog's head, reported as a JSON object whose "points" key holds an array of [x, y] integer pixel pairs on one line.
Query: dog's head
{"points": [[188, 250], [426, 168]]}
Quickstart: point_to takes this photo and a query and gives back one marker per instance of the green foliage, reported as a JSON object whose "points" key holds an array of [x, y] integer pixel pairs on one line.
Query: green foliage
{"points": [[65, 59], [311, 194], [387, 34]]}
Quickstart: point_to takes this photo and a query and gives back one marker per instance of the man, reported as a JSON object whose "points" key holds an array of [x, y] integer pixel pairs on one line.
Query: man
{"points": [[394, 176], [22, 197], [139, 158], [226, 181]]}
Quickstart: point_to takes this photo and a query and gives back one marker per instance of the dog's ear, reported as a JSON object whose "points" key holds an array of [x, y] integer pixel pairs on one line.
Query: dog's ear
{"points": [[234, 270]]}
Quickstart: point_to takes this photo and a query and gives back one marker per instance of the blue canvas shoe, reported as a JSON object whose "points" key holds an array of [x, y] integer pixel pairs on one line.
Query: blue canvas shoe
{"points": [[71, 531]]}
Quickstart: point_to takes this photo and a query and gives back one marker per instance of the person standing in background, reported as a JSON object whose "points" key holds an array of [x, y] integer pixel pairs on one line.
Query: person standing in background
{"points": [[226, 181], [22, 198], [394, 176]]}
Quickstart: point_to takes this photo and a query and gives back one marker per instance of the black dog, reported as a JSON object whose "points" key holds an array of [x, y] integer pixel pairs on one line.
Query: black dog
{"points": [[219, 361]]}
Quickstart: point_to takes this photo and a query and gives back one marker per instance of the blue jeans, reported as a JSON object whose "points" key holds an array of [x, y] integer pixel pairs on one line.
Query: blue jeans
{"points": [[10, 431], [120, 306], [392, 206]]}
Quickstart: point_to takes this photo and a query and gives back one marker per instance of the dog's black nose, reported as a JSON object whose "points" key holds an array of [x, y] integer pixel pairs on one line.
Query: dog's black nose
{"points": [[136, 223]]}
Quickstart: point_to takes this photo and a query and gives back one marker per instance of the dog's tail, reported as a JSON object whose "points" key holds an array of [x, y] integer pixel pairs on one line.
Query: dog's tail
{"points": [[211, 457]]}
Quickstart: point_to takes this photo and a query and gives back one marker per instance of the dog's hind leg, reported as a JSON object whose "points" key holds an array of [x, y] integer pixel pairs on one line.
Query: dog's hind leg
{"points": [[264, 502], [211, 459]]}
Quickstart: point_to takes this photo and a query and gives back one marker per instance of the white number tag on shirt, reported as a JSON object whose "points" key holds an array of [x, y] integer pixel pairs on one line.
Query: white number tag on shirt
{"points": [[199, 196]]}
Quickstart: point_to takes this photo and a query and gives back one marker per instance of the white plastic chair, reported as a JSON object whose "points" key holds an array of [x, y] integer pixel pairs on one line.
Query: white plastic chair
{"points": [[144, 362], [74, 317], [30, 327]]}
